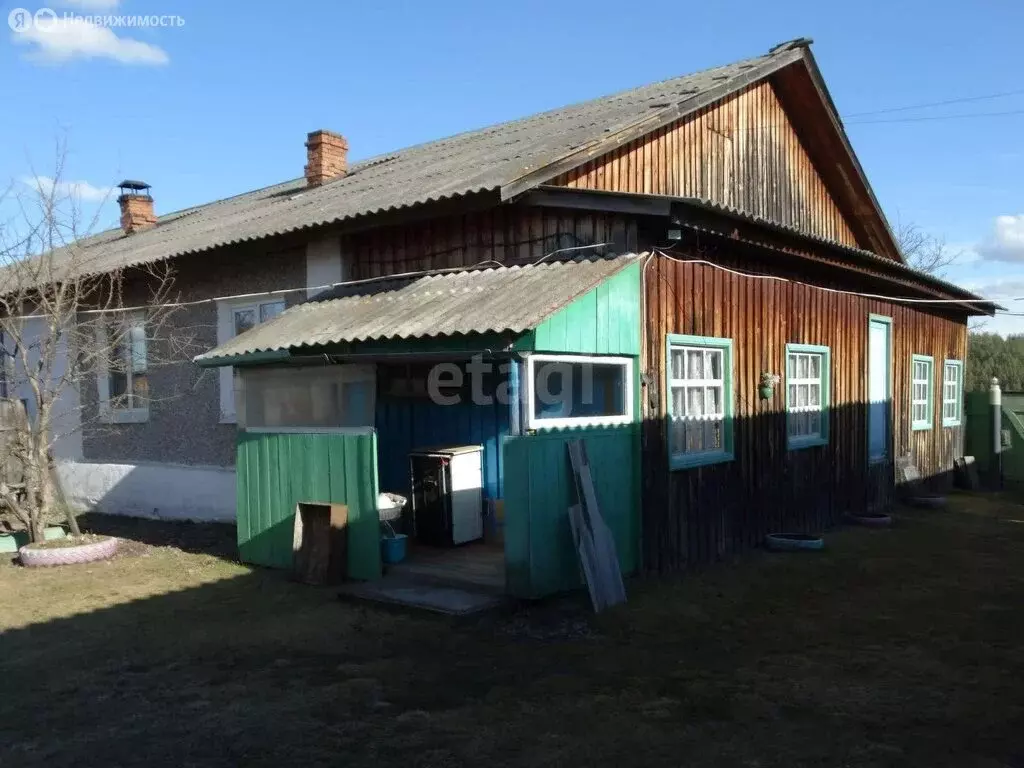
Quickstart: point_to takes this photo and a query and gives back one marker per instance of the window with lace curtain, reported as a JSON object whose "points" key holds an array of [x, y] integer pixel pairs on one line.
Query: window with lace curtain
{"points": [[807, 395], [921, 377], [700, 400]]}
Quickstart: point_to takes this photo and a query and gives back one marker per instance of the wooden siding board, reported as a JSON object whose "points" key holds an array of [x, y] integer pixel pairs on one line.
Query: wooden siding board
{"points": [[693, 517], [743, 152]]}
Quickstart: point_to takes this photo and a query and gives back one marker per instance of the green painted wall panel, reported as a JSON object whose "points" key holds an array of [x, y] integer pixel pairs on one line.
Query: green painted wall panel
{"points": [[276, 471], [539, 553], [979, 440], [603, 321]]}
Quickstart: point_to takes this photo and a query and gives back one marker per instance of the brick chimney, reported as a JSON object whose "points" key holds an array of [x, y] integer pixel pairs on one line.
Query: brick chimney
{"points": [[136, 206], [326, 157]]}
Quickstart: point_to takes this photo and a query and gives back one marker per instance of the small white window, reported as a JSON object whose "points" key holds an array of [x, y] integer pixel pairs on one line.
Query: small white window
{"points": [[921, 392], [302, 398], [234, 318], [576, 391], [123, 370], [807, 394], [699, 372], [952, 393]]}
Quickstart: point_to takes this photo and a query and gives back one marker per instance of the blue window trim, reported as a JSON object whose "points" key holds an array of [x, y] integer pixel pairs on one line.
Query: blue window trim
{"points": [[684, 461], [797, 443], [959, 395], [922, 426]]}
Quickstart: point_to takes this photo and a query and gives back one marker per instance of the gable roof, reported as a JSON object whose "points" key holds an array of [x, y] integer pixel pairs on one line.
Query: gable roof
{"points": [[505, 159], [503, 299]]}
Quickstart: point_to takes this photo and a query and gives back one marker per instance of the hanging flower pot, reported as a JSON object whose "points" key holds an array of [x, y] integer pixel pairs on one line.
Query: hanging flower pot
{"points": [[767, 384]]}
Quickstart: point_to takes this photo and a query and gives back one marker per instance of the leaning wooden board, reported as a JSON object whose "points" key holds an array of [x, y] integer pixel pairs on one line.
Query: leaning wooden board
{"points": [[594, 542]]}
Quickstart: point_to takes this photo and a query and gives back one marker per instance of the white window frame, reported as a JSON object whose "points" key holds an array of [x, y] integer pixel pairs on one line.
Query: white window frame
{"points": [[958, 394], [108, 413], [929, 401], [229, 383], [823, 382], [683, 459], [535, 422]]}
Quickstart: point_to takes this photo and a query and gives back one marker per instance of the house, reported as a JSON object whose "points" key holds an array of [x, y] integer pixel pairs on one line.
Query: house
{"points": [[676, 246]]}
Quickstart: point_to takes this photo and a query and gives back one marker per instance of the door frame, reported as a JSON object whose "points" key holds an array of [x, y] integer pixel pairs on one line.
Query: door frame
{"points": [[889, 438]]}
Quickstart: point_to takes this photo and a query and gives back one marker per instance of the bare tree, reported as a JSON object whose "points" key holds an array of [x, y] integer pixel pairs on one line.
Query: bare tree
{"points": [[923, 251], [63, 319]]}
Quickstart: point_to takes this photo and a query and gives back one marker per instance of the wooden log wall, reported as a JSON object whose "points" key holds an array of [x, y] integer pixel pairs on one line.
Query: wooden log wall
{"points": [[742, 152], [505, 234], [695, 516]]}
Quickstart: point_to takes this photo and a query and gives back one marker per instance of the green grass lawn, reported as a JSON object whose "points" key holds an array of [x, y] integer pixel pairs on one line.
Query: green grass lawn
{"points": [[897, 647]]}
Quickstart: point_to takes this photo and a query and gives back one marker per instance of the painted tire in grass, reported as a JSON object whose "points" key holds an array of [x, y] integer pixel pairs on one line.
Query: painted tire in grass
{"points": [[871, 521], [83, 553], [793, 542]]}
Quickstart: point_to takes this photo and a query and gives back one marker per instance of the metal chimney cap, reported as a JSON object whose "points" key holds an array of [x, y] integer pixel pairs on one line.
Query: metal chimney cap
{"points": [[134, 186]]}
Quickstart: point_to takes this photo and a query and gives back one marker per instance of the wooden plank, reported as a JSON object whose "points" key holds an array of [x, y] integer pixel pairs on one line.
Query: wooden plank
{"points": [[594, 541], [320, 543]]}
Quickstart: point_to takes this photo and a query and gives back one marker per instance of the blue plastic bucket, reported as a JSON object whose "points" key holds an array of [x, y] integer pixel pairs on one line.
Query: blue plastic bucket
{"points": [[392, 548]]}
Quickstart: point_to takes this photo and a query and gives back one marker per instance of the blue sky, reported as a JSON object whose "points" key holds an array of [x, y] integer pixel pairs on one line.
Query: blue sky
{"points": [[221, 103]]}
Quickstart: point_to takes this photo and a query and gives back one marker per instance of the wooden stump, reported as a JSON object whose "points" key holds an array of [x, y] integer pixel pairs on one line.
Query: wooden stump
{"points": [[320, 543]]}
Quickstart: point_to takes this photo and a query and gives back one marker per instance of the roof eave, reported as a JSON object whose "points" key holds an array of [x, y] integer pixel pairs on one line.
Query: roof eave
{"points": [[807, 57]]}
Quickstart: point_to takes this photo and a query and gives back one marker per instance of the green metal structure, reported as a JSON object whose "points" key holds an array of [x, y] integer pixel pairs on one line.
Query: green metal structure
{"points": [[275, 471], [540, 558], [979, 440]]}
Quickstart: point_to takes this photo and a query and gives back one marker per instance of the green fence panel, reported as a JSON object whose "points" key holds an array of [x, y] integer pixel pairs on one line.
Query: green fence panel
{"points": [[979, 440], [540, 558], [276, 471]]}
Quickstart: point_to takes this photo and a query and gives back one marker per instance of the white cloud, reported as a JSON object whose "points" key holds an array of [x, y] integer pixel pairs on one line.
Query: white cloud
{"points": [[79, 191], [65, 39], [1006, 242]]}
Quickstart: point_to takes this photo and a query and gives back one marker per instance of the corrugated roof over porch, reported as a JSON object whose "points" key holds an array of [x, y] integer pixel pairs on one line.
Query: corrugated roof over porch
{"points": [[498, 300]]}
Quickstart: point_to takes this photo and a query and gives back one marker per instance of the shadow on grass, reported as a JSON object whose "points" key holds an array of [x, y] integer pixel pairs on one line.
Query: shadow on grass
{"points": [[217, 539], [892, 647]]}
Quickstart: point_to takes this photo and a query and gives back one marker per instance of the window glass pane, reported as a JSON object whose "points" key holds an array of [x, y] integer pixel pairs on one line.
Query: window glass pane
{"points": [[792, 395], [567, 390], [137, 340], [801, 367], [694, 365], [270, 310], [694, 436], [140, 390], [678, 402], [801, 395], [815, 361], [678, 364], [714, 368], [118, 383], [792, 366], [713, 400], [678, 434], [814, 423], [244, 320], [695, 402], [814, 394]]}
